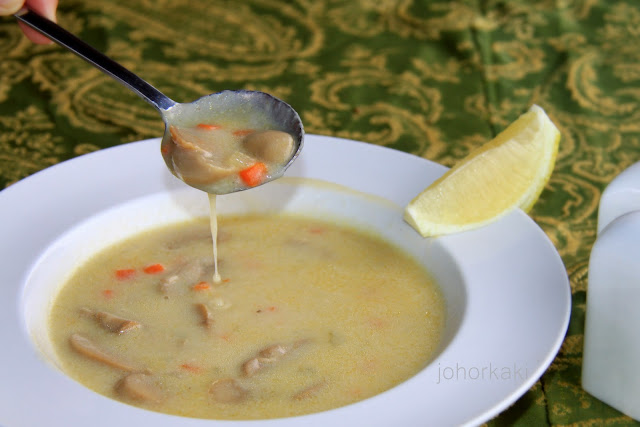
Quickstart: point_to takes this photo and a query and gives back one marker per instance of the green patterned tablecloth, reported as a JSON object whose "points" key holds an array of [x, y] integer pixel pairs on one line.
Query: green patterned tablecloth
{"points": [[434, 78]]}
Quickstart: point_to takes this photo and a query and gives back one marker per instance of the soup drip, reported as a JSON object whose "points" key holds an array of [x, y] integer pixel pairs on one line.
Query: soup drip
{"points": [[213, 221]]}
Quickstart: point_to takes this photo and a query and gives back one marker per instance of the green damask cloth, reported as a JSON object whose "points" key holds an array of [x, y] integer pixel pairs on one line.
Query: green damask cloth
{"points": [[433, 78]]}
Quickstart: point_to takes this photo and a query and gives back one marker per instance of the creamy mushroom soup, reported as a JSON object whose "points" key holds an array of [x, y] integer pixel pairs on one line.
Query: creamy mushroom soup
{"points": [[308, 316]]}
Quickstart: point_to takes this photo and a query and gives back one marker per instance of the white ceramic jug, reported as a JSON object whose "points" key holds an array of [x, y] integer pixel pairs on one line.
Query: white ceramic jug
{"points": [[611, 357]]}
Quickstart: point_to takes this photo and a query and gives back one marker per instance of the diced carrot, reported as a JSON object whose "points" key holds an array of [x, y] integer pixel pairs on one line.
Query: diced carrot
{"points": [[272, 308], [202, 286], [125, 273], [154, 269], [317, 230], [107, 293], [207, 126], [226, 280], [254, 174], [191, 368], [242, 132]]}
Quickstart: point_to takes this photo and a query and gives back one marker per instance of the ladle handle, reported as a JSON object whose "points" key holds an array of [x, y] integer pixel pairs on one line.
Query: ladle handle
{"points": [[96, 58]]}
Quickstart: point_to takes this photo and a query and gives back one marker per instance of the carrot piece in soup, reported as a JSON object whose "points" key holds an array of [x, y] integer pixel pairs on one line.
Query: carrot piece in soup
{"points": [[254, 174], [202, 286], [154, 269], [207, 126], [107, 293], [309, 392], [125, 273], [191, 368], [242, 132]]}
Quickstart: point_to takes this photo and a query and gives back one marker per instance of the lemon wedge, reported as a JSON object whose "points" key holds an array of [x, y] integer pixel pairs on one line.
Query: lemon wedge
{"points": [[506, 173]]}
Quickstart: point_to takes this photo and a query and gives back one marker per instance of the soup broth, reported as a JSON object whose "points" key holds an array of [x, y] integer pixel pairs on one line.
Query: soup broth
{"points": [[307, 316]]}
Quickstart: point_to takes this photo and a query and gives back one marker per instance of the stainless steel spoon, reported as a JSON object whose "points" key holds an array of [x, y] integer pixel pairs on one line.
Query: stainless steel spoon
{"points": [[251, 106]]}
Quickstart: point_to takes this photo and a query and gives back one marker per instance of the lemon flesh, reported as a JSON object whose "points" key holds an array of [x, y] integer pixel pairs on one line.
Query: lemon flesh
{"points": [[506, 173]]}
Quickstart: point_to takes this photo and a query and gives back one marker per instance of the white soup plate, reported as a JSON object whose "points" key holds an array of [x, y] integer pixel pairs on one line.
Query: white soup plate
{"points": [[507, 293]]}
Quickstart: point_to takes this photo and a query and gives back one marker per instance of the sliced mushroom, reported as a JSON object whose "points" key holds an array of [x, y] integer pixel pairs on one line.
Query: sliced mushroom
{"points": [[111, 322], [205, 315], [139, 387], [185, 274], [167, 285], [271, 146], [199, 158], [228, 390], [86, 347], [269, 356], [310, 391], [274, 352], [252, 367]]}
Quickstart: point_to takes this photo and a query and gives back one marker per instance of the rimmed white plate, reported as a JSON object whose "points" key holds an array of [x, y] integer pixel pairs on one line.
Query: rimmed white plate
{"points": [[507, 290]]}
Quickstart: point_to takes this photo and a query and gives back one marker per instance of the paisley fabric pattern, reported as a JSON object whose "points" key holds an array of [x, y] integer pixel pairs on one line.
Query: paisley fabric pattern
{"points": [[435, 78]]}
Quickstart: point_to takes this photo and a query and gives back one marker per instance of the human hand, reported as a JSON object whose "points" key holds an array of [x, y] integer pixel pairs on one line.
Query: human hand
{"points": [[46, 8]]}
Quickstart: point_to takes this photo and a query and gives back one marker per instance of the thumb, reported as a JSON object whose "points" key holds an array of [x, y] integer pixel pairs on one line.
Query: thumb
{"points": [[46, 8], [9, 7]]}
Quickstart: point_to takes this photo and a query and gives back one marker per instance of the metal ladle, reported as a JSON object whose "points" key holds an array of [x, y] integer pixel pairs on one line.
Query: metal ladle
{"points": [[241, 103]]}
